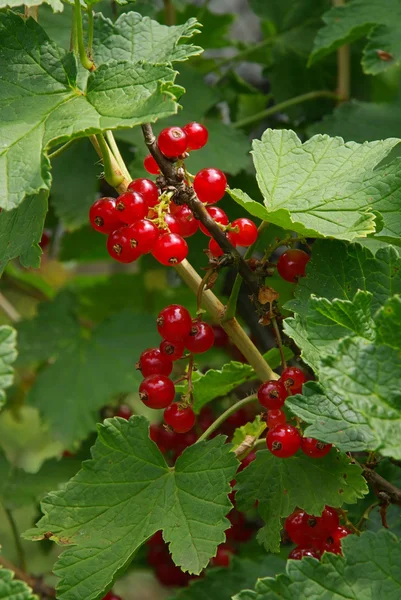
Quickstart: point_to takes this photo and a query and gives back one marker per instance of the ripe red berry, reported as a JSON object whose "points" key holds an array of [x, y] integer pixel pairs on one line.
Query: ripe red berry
{"points": [[272, 394], [214, 247], [147, 188], [188, 224], [293, 379], [131, 207], [245, 462], [298, 553], [320, 528], [172, 351], [275, 417], [283, 440], [297, 528], [197, 135], [170, 575], [144, 234], [340, 532], [314, 448], [157, 391], [180, 419], [333, 547], [210, 185], [111, 596], [223, 556], [221, 339], [119, 246], [45, 239], [151, 165], [247, 232], [152, 362], [172, 141], [292, 264], [218, 215], [172, 223], [174, 323], [170, 249], [103, 215], [124, 411], [200, 338]]}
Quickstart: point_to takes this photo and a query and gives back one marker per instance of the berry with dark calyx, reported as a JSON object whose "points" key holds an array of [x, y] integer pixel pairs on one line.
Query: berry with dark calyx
{"points": [[147, 188], [170, 249], [275, 417], [131, 207], [188, 224], [152, 362], [174, 323], [293, 379], [181, 419], [119, 246], [172, 223], [283, 440], [247, 232], [272, 394], [144, 234], [214, 247], [157, 391], [210, 185], [103, 215], [223, 556], [200, 338], [292, 264], [320, 528], [151, 165], [221, 339], [172, 350], [334, 548], [297, 528], [298, 553], [172, 142], [124, 411], [218, 215], [314, 448], [197, 135], [167, 439]]}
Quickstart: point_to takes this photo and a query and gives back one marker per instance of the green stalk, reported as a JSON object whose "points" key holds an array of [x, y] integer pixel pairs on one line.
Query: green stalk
{"points": [[109, 174], [90, 30], [85, 60], [61, 149], [223, 417], [17, 539]]}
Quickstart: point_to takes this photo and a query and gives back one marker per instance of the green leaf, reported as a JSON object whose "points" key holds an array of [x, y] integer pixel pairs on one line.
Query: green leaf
{"points": [[388, 323], [124, 495], [280, 485], [215, 26], [369, 569], [56, 5], [8, 354], [13, 589], [253, 428]]}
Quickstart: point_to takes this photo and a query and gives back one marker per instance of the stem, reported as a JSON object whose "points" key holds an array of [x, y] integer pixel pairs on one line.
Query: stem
{"points": [[224, 416], [279, 341], [283, 105], [343, 66], [73, 38], [382, 486], [90, 30], [61, 149], [347, 521], [169, 12], [17, 538], [246, 52], [37, 585], [31, 11], [111, 176], [117, 155], [366, 514], [9, 310], [85, 60], [199, 293]]}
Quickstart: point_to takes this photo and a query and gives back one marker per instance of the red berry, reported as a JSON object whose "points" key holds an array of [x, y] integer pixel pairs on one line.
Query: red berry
{"points": [[298, 553], [119, 246], [172, 141], [180, 419], [329, 520], [340, 532], [221, 339], [147, 189], [103, 215], [156, 555], [172, 351], [275, 417], [297, 528], [314, 448], [152, 362], [218, 215], [237, 419], [188, 224], [131, 207], [320, 528], [170, 575], [151, 165], [293, 379], [210, 185], [144, 235], [197, 135], [172, 223], [291, 265], [156, 539], [124, 411], [174, 323], [247, 232], [111, 596], [200, 338], [334, 547], [223, 557], [283, 440], [245, 462], [170, 249], [157, 391], [272, 394], [45, 240], [214, 247], [167, 438]]}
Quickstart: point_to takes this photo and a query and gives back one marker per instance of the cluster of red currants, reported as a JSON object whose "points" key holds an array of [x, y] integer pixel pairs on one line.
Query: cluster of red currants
{"points": [[315, 535], [284, 440]]}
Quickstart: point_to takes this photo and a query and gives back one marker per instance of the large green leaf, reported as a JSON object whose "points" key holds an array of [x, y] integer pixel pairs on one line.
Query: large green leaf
{"points": [[125, 494], [281, 485], [369, 569], [8, 354], [56, 5], [13, 589]]}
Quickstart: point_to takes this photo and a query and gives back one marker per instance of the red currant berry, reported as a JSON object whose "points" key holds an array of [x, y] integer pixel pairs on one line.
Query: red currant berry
{"points": [[172, 351], [180, 419], [329, 520], [170, 249], [124, 411], [275, 417], [131, 207], [157, 391], [218, 215], [200, 338], [283, 440], [174, 323], [223, 556], [152, 362], [119, 246], [172, 223], [320, 528], [297, 528], [298, 553], [167, 439], [170, 575], [103, 215], [247, 232], [144, 235], [156, 555], [111, 596], [45, 239], [272, 394], [197, 135], [220, 337], [147, 189], [333, 547], [210, 185], [172, 141], [188, 224], [151, 165], [293, 379], [156, 539], [314, 448], [291, 265], [237, 419], [340, 532], [214, 247], [245, 462]]}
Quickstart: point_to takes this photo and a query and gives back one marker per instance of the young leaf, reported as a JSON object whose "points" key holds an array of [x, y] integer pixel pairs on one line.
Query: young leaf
{"points": [[124, 495], [8, 354], [13, 589], [254, 428]]}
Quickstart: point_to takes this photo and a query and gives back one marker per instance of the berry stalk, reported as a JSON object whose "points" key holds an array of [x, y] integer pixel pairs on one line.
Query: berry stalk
{"points": [[224, 416]]}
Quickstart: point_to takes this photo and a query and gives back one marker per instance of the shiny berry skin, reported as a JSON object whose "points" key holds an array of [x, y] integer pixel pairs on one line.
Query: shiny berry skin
{"points": [[131, 207], [180, 419], [283, 440], [151, 165], [124, 411], [152, 362], [298, 553], [223, 557], [188, 224], [275, 417], [144, 234], [103, 215], [157, 391], [197, 135], [172, 142], [293, 379], [147, 189], [172, 223], [320, 528], [170, 249], [210, 185], [297, 528], [218, 215], [172, 350], [221, 339], [272, 394], [313, 448], [292, 264], [214, 247], [247, 232], [334, 547], [340, 532], [200, 339], [174, 323], [119, 246]]}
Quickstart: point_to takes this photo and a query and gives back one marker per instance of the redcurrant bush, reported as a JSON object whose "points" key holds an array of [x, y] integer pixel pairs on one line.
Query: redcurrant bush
{"points": [[275, 417], [293, 379], [186, 220], [147, 189], [143, 235], [172, 350], [124, 411], [151, 165], [218, 215], [131, 207], [314, 448], [247, 233], [299, 553], [272, 394]]}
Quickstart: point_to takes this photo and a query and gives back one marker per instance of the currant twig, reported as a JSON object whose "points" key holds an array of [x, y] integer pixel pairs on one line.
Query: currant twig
{"points": [[224, 416], [279, 340]]}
